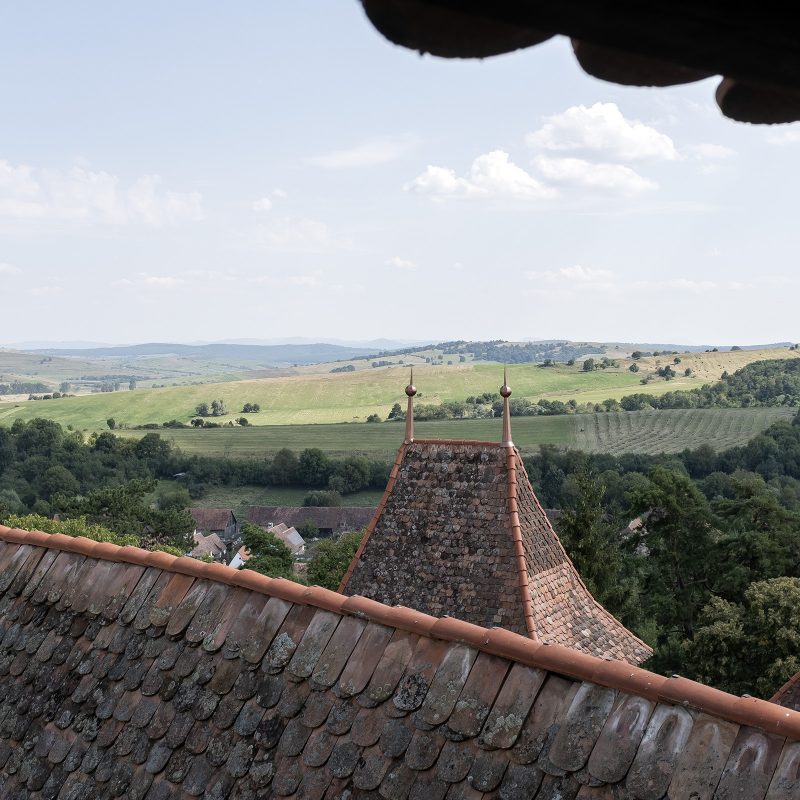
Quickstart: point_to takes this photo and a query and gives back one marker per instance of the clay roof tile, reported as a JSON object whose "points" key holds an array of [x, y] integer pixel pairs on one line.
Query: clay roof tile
{"points": [[249, 690]]}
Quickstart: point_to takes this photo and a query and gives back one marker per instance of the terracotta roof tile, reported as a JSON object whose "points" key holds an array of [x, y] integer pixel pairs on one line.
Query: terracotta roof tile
{"points": [[91, 700], [704, 756], [750, 766], [447, 684], [666, 736]]}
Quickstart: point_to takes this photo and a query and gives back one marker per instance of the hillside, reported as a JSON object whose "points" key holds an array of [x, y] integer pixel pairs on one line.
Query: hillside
{"points": [[352, 396]]}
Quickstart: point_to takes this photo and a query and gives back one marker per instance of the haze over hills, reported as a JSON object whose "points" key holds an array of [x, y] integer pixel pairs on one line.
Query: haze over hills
{"points": [[270, 354]]}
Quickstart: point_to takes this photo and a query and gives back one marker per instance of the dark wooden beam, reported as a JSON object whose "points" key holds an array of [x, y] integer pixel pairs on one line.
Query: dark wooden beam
{"points": [[754, 42]]}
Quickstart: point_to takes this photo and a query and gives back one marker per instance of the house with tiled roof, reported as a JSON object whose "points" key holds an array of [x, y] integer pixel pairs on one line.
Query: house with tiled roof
{"points": [[221, 521], [329, 520], [136, 674], [210, 546], [459, 532]]}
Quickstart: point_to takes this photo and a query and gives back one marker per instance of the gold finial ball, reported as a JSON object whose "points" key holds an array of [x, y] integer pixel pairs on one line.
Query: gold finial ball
{"points": [[505, 390], [411, 390]]}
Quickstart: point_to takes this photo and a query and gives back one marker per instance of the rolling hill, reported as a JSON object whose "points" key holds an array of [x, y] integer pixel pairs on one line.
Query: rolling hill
{"points": [[352, 396]]}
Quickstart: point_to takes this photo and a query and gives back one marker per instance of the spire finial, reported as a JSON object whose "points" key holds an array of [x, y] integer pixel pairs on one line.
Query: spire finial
{"points": [[411, 390], [505, 393]]}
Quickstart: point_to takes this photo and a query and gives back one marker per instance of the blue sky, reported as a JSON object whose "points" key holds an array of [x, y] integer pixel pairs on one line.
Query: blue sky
{"points": [[190, 171]]}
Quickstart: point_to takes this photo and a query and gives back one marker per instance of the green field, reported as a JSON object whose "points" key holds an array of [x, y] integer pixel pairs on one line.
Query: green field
{"points": [[620, 432], [240, 498], [352, 396]]}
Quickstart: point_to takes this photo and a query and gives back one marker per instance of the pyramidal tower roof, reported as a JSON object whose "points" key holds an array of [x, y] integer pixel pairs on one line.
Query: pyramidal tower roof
{"points": [[459, 532]]}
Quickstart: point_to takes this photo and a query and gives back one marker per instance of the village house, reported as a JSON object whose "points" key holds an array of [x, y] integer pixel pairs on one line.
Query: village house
{"points": [[329, 520], [210, 546], [221, 521]]}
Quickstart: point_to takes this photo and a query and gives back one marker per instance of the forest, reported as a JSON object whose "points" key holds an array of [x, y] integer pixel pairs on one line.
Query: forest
{"points": [[698, 552]]}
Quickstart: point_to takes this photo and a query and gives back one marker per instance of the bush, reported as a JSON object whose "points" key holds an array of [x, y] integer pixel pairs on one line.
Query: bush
{"points": [[322, 498], [331, 560]]}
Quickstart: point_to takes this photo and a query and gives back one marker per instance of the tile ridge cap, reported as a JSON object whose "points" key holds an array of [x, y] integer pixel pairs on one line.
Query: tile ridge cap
{"points": [[373, 523], [613, 673], [512, 509]]}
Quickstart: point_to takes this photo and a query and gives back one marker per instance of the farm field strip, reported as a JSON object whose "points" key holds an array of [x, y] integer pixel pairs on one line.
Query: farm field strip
{"points": [[322, 398], [673, 430], [666, 431]]}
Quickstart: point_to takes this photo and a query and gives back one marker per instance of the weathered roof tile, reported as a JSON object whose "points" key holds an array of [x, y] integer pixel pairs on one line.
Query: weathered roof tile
{"points": [[476, 698], [363, 660], [394, 707], [447, 684], [581, 726], [663, 742], [750, 765], [703, 758], [511, 707]]}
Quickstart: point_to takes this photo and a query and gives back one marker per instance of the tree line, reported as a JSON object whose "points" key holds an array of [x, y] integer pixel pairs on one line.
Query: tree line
{"points": [[698, 552]]}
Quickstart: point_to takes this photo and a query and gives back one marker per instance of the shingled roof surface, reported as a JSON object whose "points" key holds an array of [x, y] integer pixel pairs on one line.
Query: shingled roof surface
{"points": [[127, 673], [460, 532]]}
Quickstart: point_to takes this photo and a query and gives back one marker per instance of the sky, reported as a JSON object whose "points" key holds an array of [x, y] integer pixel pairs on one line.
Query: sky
{"points": [[191, 171]]}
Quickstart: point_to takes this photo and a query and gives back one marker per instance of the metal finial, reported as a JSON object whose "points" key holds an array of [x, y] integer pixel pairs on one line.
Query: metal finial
{"points": [[505, 389], [411, 390], [505, 392]]}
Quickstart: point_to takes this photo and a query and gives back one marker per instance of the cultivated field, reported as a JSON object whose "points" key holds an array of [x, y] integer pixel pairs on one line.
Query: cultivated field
{"points": [[673, 430], [621, 432], [351, 397]]}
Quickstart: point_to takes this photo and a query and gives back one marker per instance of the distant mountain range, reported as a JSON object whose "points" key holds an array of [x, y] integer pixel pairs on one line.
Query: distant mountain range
{"points": [[373, 345], [264, 354]]}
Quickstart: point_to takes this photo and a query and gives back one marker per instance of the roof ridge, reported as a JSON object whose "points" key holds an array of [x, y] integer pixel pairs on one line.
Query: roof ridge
{"points": [[516, 538], [495, 641]]}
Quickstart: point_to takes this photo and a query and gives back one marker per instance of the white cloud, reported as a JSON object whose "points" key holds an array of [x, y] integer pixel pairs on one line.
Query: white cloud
{"points": [[602, 129], [707, 151], [370, 153], [145, 280], [688, 285], [615, 178], [786, 135], [9, 269], [300, 235], [401, 263], [491, 175], [43, 291], [577, 277], [267, 203], [78, 195]]}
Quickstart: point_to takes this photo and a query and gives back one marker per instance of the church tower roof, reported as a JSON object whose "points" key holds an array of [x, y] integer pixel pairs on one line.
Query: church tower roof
{"points": [[459, 532]]}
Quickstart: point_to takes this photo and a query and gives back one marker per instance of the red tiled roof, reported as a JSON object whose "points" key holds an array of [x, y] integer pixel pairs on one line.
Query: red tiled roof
{"points": [[136, 674], [212, 519], [459, 531]]}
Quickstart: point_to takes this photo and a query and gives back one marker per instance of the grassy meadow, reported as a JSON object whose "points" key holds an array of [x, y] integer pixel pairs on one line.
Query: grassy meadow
{"points": [[325, 398], [240, 498], [667, 431]]}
